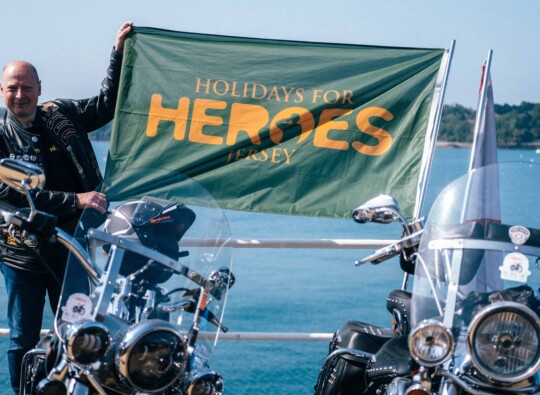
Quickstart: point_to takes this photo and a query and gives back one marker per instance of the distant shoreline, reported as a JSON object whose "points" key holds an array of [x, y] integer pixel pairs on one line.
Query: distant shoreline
{"points": [[455, 144], [452, 144]]}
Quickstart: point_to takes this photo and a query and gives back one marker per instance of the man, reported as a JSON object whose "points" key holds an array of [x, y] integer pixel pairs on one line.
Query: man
{"points": [[53, 136]]}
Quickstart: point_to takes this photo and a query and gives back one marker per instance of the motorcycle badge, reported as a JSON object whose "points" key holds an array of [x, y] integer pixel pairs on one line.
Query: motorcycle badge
{"points": [[78, 307], [31, 241], [519, 234], [515, 267]]}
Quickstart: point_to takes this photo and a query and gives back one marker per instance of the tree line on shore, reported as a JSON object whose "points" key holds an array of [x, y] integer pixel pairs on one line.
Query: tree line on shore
{"points": [[517, 125]]}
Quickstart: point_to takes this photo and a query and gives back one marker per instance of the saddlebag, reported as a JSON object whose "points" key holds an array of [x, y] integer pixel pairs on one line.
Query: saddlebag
{"points": [[350, 350], [392, 360]]}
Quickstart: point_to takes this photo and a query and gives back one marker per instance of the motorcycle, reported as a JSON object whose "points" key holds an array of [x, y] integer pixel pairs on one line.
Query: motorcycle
{"points": [[354, 345], [474, 311], [141, 306]]}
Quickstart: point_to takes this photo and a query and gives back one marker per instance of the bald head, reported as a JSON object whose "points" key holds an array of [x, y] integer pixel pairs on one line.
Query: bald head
{"points": [[21, 88], [20, 65]]}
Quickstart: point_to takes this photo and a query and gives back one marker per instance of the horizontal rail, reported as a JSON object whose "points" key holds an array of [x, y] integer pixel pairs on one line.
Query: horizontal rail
{"points": [[300, 243], [278, 336], [276, 243]]}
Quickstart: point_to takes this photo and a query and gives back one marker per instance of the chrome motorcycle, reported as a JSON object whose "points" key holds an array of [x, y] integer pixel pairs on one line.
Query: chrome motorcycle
{"points": [[142, 306], [474, 311], [354, 345]]}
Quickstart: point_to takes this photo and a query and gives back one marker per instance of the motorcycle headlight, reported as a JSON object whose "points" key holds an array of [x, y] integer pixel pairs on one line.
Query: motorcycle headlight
{"points": [[205, 382], [504, 342], [417, 388], [87, 342], [51, 387], [151, 356], [431, 343]]}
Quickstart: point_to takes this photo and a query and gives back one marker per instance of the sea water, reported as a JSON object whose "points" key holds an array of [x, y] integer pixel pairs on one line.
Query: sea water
{"points": [[299, 290]]}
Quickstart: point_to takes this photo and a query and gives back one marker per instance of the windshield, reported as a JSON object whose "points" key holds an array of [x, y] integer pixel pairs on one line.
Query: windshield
{"points": [[156, 256], [482, 234]]}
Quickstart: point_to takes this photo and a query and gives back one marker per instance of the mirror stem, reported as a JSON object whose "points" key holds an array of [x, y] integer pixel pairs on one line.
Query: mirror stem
{"points": [[25, 183]]}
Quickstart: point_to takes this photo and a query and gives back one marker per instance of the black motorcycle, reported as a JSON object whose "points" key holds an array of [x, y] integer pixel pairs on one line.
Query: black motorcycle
{"points": [[141, 305], [353, 345], [472, 315]]}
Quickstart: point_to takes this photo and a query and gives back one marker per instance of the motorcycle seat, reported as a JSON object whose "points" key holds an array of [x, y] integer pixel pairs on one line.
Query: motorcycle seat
{"points": [[392, 360], [398, 303]]}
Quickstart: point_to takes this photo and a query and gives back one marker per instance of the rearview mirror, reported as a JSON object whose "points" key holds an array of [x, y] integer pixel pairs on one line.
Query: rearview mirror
{"points": [[382, 209], [20, 175]]}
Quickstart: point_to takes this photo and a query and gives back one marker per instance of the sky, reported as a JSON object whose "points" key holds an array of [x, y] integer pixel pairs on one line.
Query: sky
{"points": [[69, 41]]}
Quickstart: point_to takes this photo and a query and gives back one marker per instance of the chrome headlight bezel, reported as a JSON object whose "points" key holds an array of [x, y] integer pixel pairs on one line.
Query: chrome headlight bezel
{"points": [[204, 378], [422, 338], [494, 313], [150, 331], [87, 341]]}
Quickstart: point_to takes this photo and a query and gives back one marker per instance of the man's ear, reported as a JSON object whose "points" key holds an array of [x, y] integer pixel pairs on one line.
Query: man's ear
{"points": [[39, 88]]}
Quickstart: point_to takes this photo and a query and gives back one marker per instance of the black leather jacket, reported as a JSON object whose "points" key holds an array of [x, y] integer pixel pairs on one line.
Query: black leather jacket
{"points": [[66, 124]]}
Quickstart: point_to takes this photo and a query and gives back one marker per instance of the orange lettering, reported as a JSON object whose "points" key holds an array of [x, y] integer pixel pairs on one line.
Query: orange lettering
{"points": [[294, 121], [200, 119], [276, 154], [248, 118], [385, 138], [326, 124], [207, 85], [178, 116]]}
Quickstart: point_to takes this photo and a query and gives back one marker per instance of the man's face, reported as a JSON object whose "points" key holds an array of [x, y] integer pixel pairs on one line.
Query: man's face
{"points": [[20, 89]]}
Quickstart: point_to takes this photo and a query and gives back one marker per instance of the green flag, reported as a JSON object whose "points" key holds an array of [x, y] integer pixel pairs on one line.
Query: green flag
{"points": [[273, 126]]}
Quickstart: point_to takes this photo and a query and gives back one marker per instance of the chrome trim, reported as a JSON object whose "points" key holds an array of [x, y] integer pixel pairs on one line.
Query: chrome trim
{"points": [[130, 340], [417, 387], [75, 331], [485, 313], [431, 323], [196, 376]]}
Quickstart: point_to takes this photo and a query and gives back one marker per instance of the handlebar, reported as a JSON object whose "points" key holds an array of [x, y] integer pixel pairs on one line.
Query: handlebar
{"points": [[23, 176], [392, 250], [44, 225], [95, 235], [32, 221]]}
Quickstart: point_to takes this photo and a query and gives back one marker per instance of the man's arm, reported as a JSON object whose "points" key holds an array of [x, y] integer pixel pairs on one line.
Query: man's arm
{"points": [[53, 202], [124, 30], [97, 111]]}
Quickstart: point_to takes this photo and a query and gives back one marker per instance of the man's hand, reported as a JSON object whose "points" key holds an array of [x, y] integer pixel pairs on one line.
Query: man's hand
{"points": [[121, 35], [95, 200]]}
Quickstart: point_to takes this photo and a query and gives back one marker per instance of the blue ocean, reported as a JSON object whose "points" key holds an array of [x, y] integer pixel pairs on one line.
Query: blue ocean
{"points": [[300, 290]]}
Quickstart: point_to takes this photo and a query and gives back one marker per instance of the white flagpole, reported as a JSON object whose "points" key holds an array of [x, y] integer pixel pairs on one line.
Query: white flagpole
{"points": [[433, 129]]}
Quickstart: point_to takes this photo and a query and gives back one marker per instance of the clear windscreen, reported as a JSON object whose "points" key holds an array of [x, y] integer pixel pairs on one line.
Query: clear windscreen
{"points": [[482, 235], [158, 254]]}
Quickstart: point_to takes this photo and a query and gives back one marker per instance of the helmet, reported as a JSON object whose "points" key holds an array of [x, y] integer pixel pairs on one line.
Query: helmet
{"points": [[155, 224]]}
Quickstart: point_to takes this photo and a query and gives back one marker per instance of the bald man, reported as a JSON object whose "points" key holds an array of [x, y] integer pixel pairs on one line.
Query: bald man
{"points": [[54, 136]]}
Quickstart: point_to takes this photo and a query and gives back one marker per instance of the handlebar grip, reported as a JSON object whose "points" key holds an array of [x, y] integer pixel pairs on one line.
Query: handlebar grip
{"points": [[37, 222], [410, 242], [42, 224], [380, 255], [6, 207]]}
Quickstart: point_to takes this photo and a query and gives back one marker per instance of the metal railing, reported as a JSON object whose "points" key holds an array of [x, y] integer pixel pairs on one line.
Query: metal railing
{"points": [[299, 243], [277, 243]]}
